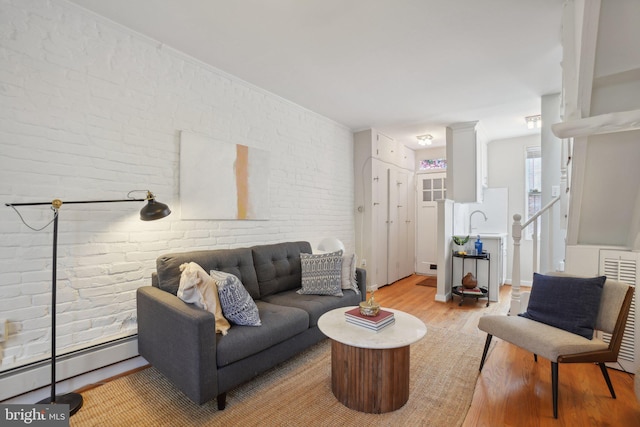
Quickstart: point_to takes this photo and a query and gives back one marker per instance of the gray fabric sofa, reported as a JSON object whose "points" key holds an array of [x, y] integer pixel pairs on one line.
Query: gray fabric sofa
{"points": [[179, 339]]}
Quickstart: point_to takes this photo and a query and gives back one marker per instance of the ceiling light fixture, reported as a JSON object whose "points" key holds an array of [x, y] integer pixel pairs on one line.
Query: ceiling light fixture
{"points": [[425, 139], [533, 121]]}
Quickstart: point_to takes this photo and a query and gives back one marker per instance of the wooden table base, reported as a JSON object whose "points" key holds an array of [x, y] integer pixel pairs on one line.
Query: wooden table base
{"points": [[370, 380]]}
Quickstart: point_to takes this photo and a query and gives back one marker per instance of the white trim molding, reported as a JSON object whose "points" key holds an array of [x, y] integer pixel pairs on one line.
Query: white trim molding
{"points": [[595, 125], [29, 384]]}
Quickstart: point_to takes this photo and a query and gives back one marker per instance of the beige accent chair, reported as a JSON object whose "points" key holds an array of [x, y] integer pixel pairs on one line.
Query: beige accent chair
{"points": [[560, 346]]}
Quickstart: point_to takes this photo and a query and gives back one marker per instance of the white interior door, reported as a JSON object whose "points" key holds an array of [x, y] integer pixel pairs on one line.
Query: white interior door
{"points": [[393, 242], [430, 189], [380, 224], [404, 257]]}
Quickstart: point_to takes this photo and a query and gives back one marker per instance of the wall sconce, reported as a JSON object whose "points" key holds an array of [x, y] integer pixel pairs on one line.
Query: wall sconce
{"points": [[533, 121], [425, 139]]}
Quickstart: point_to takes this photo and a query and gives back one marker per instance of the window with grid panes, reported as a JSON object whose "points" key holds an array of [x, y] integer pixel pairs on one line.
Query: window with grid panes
{"points": [[433, 189], [533, 186]]}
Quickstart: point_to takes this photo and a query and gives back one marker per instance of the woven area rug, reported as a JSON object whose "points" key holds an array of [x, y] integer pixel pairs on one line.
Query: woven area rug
{"points": [[444, 369]]}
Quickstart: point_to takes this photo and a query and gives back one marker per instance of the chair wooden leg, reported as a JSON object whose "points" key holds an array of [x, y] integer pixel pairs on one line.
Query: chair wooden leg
{"points": [[605, 374], [486, 349], [554, 387]]}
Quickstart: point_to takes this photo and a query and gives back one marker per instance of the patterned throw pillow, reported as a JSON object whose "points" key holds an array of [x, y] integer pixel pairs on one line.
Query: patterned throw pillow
{"points": [[237, 305], [321, 274]]}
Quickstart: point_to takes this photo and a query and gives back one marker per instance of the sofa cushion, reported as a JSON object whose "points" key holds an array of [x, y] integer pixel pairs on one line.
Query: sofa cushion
{"points": [[314, 305], [569, 303], [279, 323], [321, 274], [235, 301], [198, 288], [238, 262], [277, 266]]}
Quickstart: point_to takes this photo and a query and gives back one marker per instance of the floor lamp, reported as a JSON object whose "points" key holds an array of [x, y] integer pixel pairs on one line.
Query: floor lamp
{"points": [[151, 211]]}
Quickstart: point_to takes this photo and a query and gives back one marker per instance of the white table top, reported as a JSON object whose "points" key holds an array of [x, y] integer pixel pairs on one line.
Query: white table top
{"points": [[406, 330]]}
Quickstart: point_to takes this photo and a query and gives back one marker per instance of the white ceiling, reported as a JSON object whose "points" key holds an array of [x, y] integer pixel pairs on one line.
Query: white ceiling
{"points": [[403, 67]]}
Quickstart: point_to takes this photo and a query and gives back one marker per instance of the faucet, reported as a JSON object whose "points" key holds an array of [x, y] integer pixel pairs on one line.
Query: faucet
{"points": [[471, 216]]}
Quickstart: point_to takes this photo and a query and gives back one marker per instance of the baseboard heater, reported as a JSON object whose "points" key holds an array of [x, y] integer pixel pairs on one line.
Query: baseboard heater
{"points": [[25, 379]]}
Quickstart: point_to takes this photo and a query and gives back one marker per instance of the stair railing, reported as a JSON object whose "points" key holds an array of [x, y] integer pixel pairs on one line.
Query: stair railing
{"points": [[520, 300]]}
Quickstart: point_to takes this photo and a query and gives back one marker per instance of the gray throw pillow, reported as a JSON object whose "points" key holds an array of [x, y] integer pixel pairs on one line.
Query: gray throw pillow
{"points": [[569, 303], [321, 274], [237, 305]]}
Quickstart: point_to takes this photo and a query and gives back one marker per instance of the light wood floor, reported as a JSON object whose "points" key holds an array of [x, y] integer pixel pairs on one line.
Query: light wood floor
{"points": [[512, 389]]}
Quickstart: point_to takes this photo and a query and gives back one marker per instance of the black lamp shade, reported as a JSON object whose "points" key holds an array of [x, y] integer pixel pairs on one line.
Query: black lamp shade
{"points": [[154, 210]]}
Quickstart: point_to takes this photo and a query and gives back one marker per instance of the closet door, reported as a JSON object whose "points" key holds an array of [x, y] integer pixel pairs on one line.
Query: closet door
{"points": [[380, 212], [394, 238], [405, 225]]}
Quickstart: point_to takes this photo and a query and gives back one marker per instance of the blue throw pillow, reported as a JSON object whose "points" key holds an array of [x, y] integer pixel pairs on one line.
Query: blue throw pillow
{"points": [[237, 305], [569, 303]]}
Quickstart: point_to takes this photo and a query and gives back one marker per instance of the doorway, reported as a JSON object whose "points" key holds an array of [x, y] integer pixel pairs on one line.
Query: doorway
{"points": [[431, 188]]}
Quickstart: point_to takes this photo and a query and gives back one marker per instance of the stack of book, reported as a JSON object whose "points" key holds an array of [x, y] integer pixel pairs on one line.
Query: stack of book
{"points": [[375, 323], [474, 291]]}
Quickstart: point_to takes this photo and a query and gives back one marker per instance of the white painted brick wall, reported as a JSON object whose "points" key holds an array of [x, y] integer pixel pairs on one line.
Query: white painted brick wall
{"points": [[90, 110]]}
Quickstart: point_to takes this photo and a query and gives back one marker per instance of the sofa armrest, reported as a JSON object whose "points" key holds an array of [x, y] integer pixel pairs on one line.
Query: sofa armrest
{"points": [[179, 340], [361, 279]]}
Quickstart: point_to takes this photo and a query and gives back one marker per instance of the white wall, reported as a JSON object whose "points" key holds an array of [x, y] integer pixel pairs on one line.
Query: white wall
{"points": [[90, 110], [604, 204], [506, 158]]}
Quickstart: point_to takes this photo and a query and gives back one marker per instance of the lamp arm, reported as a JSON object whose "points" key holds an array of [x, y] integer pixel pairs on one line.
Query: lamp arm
{"points": [[56, 203], [152, 211]]}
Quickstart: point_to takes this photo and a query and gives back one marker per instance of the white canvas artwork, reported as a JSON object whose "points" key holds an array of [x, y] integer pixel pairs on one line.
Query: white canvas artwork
{"points": [[221, 180]]}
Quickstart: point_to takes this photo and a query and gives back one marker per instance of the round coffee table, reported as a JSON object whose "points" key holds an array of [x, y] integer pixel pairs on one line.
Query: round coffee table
{"points": [[370, 370]]}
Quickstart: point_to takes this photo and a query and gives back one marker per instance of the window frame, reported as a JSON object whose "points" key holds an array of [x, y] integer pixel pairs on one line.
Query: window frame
{"points": [[532, 187]]}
